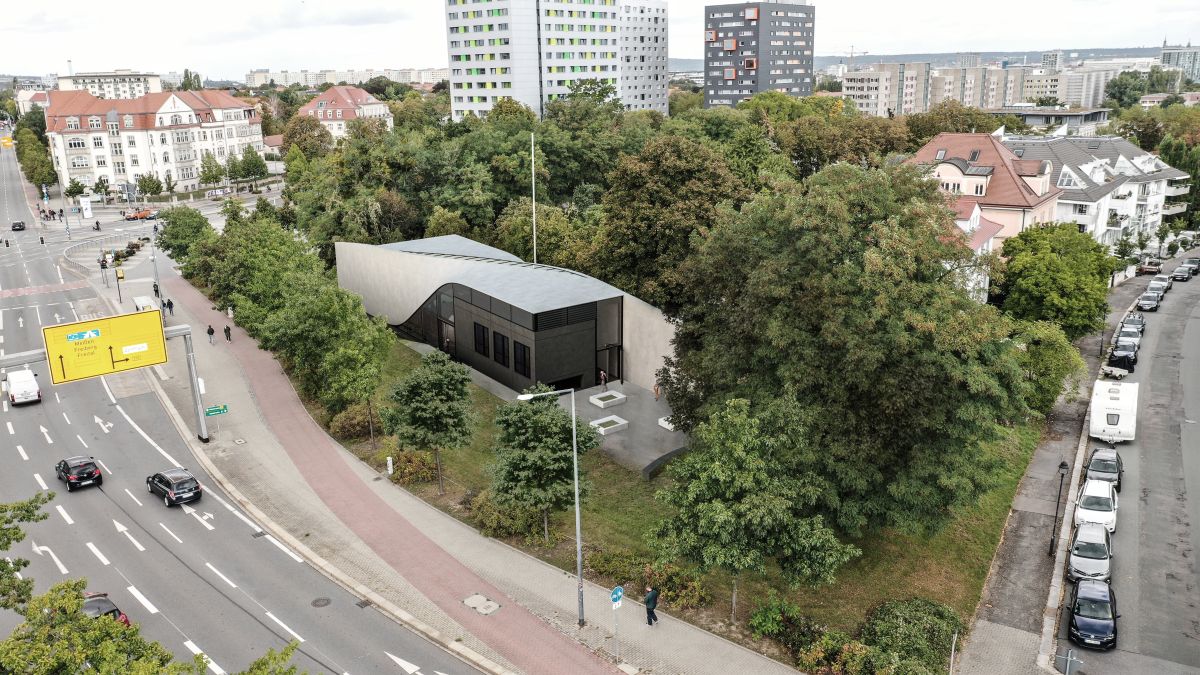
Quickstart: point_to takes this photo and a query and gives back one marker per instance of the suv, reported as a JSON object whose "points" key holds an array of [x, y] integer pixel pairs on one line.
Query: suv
{"points": [[1164, 278], [175, 486], [1090, 554], [1193, 263], [97, 605], [1097, 504], [1149, 266], [1106, 464], [78, 471], [1182, 273], [18, 225], [1127, 333]]}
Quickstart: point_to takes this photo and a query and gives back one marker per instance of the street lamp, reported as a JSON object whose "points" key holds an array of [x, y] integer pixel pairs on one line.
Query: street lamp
{"points": [[575, 459], [1063, 468]]}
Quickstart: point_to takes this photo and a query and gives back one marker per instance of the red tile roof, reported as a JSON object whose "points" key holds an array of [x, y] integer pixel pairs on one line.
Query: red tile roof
{"points": [[345, 98], [1006, 187], [273, 141], [986, 230], [81, 104], [964, 207]]}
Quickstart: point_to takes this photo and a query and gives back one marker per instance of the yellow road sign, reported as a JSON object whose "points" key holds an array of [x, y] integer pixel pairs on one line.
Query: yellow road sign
{"points": [[96, 347]]}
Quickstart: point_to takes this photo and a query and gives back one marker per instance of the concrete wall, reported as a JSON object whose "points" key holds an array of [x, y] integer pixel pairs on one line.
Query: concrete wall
{"points": [[647, 339]]}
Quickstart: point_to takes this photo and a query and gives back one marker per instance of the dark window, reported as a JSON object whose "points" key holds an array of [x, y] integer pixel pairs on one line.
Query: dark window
{"points": [[974, 156], [481, 339], [500, 348], [520, 359]]}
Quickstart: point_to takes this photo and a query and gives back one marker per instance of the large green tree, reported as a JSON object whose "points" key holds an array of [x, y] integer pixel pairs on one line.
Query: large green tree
{"points": [[148, 184], [182, 228], [252, 166], [950, 116], [74, 189], [15, 590], [1052, 364], [841, 294], [432, 408], [211, 170], [309, 134]]}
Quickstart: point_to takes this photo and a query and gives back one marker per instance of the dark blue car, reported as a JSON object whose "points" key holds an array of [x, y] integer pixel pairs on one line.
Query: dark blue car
{"points": [[1093, 615]]}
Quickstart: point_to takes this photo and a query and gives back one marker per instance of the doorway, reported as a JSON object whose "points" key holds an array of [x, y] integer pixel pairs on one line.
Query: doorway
{"points": [[446, 337]]}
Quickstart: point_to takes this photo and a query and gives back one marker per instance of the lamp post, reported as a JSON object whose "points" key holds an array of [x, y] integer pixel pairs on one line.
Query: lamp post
{"points": [[1062, 473], [575, 461]]}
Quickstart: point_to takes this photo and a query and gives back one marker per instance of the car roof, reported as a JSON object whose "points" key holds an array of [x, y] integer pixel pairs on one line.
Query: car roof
{"points": [[177, 474], [100, 604], [1108, 453], [1093, 589], [1094, 487], [1091, 532], [78, 460], [1135, 317]]}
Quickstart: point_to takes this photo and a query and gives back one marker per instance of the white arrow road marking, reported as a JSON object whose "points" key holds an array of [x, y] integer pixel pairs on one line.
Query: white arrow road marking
{"points": [[57, 318], [63, 512], [285, 549], [21, 452], [20, 321], [41, 483], [18, 574], [98, 554], [192, 512], [135, 499], [82, 441], [232, 510], [405, 665], [46, 433], [45, 550], [125, 531], [105, 426], [191, 647], [170, 533], [142, 599]]}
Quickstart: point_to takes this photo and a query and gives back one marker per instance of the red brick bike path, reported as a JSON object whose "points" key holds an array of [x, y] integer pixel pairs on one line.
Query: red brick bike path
{"points": [[525, 640]]}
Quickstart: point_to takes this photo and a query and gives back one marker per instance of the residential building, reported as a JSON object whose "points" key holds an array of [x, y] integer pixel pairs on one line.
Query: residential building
{"points": [[889, 89], [1042, 83], [968, 60], [1110, 187], [980, 237], [337, 106], [164, 134], [112, 84], [172, 79], [757, 46], [262, 77], [1060, 120], [1084, 86], [1183, 57], [1190, 98], [1053, 61], [643, 55], [1012, 192], [26, 99], [1141, 64], [978, 87]]}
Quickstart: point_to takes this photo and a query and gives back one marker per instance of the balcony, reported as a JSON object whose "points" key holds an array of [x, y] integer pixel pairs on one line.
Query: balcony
{"points": [[1172, 209], [1123, 195], [1177, 190]]}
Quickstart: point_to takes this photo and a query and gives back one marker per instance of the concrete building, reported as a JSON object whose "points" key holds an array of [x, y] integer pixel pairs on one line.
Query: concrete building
{"points": [[1110, 187], [978, 87], [757, 46], [171, 79], [969, 60], [114, 84], [26, 99], [1053, 61], [262, 77], [337, 106], [643, 55], [516, 322], [1183, 57], [1190, 98], [889, 88], [164, 134], [1060, 121]]}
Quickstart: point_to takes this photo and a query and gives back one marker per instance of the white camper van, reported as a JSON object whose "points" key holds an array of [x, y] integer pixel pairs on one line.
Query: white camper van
{"points": [[1114, 411], [21, 387]]}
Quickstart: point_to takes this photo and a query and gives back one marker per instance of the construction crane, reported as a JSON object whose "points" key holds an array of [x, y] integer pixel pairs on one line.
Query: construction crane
{"points": [[851, 53]]}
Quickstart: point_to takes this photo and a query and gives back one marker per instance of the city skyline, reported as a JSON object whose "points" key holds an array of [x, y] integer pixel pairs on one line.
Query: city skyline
{"points": [[375, 34]]}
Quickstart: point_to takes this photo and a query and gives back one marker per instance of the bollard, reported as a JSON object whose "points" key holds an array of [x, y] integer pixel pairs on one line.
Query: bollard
{"points": [[42, 240], [389, 466]]}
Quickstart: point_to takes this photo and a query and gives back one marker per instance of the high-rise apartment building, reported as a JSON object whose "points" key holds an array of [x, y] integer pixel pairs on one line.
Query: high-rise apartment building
{"points": [[1053, 61], [757, 46], [889, 89], [534, 51], [1185, 58], [117, 84]]}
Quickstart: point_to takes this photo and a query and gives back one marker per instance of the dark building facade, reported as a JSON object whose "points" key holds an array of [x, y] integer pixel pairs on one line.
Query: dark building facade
{"points": [[757, 46]]}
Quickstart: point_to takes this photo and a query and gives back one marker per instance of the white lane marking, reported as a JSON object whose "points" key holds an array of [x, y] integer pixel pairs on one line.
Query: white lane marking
{"points": [[10, 429], [98, 554], [40, 482], [36, 309], [149, 440], [103, 465], [21, 452], [285, 549], [284, 626], [128, 535], [45, 550], [107, 390], [57, 399], [63, 512], [170, 533], [135, 499], [192, 512], [218, 573], [68, 419], [142, 599], [60, 276], [191, 647], [405, 665], [232, 510], [81, 440], [18, 574], [46, 433]]}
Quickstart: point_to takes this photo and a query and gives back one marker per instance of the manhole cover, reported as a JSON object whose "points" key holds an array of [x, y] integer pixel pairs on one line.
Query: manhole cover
{"points": [[239, 441], [481, 604], [321, 602]]}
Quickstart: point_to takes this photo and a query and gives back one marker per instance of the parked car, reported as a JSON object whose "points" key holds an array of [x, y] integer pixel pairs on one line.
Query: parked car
{"points": [[1148, 302], [1090, 554], [1129, 334], [1157, 287], [1194, 263], [78, 472], [1149, 266], [175, 486], [97, 605], [1126, 350], [1166, 279], [1136, 321], [1093, 615], [18, 225], [1097, 504], [1182, 273], [137, 215], [1106, 464]]}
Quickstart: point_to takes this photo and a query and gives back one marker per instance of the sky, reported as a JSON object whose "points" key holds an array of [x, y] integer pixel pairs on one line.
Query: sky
{"points": [[224, 39]]}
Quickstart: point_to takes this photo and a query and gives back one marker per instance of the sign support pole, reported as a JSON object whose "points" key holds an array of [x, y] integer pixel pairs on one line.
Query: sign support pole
{"points": [[201, 425]]}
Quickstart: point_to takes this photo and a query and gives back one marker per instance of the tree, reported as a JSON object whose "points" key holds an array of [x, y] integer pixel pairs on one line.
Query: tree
{"points": [[735, 506], [101, 186], [680, 102], [15, 591], [1126, 88], [1143, 240], [182, 228], [35, 121], [535, 457], [1161, 234], [1047, 101], [1142, 128], [74, 189], [252, 167], [432, 408], [169, 183], [1173, 99], [190, 81], [1124, 249], [1057, 274], [233, 168], [1052, 364], [149, 184], [514, 233], [443, 221], [953, 117], [211, 170], [308, 133]]}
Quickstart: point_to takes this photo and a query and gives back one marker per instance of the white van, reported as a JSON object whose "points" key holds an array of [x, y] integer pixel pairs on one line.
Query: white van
{"points": [[22, 387], [1114, 411], [142, 303]]}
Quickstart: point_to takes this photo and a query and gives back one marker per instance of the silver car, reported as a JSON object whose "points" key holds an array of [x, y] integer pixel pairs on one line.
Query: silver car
{"points": [[1128, 334], [1165, 279], [1091, 554]]}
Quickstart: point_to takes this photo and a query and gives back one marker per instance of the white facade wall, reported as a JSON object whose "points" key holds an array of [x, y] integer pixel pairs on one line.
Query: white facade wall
{"points": [[643, 55], [110, 85]]}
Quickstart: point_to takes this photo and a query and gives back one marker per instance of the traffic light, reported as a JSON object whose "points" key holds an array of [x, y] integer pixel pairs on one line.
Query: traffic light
{"points": [[103, 264]]}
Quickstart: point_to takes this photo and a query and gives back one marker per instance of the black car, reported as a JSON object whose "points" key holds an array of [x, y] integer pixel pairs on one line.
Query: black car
{"points": [[1148, 302], [175, 486], [1106, 464], [97, 605], [78, 471], [1194, 264], [1182, 273], [1093, 615], [18, 225], [1135, 321]]}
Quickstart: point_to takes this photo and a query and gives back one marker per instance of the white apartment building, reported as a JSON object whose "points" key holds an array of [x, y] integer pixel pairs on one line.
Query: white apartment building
{"points": [[643, 55], [165, 134], [337, 106], [980, 87], [895, 88], [261, 77], [113, 84]]}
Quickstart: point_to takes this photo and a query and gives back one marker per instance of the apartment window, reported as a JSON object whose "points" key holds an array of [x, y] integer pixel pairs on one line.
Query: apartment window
{"points": [[500, 348], [97, 141], [101, 161], [128, 121], [76, 143], [520, 359], [94, 123], [730, 45], [1081, 209], [941, 154], [752, 14], [974, 156], [166, 158], [481, 339], [119, 167], [79, 162], [979, 189], [133, 161]]}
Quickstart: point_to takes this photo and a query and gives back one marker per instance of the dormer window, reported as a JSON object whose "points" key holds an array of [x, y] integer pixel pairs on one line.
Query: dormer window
{"points": [[128, 121], [974, 156], [94, 123], [941, 154], [72, 122]]}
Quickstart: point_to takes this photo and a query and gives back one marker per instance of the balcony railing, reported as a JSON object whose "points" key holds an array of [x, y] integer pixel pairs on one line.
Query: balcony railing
{"points": [[1172, 209], [1123, 195], [1177, 190]]}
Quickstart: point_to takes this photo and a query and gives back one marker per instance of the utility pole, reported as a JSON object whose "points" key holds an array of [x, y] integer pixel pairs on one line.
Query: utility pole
{"points": [[533, 183]]}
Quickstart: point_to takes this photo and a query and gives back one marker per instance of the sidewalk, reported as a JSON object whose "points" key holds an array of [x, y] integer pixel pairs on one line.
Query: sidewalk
{"points": [[380, 540]]}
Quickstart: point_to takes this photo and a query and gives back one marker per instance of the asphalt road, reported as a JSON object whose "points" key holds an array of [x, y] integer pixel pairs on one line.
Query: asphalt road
{"points": [[200, 579], [1155, 577]]}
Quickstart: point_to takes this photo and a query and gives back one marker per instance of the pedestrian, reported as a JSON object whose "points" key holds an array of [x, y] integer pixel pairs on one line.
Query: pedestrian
{"points": [[156, 289], [228, 334], [211, 332], [171, 306], [651, 604], [657, 391], [603, 381], [122, 215], [60, 213]]}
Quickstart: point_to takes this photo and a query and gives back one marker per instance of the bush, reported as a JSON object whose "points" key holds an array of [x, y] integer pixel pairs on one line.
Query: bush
{"points": [[412, 466], [781, 620], [678, 587], [352, 422], [495, 520], [917, 629], [621, 566]]}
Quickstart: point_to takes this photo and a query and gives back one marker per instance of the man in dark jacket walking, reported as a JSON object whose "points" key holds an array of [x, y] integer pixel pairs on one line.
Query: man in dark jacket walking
{"points": [[651, 603]]}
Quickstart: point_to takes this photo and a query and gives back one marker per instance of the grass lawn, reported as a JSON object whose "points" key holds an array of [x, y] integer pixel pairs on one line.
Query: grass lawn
{"points": [[949, 567]]}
